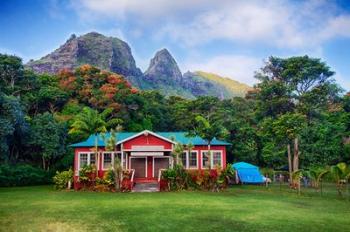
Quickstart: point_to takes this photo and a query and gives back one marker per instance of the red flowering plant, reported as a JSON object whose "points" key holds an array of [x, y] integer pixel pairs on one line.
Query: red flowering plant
{"points": [[126, 184], [87, 176]]}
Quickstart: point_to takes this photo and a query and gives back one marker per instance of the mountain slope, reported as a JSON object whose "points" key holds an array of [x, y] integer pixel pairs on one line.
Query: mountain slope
{"points": [[215, 84], [93, 48], [113, 54]]}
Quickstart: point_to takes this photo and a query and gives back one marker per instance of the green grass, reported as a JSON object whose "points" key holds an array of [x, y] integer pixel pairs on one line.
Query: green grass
{"points": [[241, 208]]}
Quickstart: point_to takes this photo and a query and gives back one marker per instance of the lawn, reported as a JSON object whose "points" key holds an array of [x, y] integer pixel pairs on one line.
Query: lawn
{"points": [[241, 208]]}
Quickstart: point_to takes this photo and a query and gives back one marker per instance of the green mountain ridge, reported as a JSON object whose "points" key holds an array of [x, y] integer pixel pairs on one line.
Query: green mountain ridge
{"points": [[113, 54]]}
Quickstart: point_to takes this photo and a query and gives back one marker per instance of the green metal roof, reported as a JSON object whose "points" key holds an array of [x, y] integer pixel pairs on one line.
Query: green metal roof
{"points": [[180, 137]]}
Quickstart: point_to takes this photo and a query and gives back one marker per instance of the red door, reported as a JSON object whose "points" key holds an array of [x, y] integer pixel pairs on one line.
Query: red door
{"points": [[149, 167]]}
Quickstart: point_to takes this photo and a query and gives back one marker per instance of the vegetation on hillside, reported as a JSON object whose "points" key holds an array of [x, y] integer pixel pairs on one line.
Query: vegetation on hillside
{"points": [[232, 88], [297, 106]]}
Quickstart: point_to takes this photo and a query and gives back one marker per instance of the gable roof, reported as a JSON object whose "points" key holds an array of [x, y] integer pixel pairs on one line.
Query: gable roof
{"points": [[179, 137]]}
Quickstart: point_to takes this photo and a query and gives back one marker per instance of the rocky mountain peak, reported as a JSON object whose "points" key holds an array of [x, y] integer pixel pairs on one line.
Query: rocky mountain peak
{"points": [[163, 67], [93, 48]]}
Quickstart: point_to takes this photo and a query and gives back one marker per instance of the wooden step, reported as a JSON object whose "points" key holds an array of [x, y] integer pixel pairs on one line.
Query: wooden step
{"points": [[146, 187]]}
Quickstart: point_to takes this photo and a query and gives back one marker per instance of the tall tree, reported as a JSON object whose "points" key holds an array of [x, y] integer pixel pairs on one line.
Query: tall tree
{"points": [[47, 138], [89, 122], [208, 130]]}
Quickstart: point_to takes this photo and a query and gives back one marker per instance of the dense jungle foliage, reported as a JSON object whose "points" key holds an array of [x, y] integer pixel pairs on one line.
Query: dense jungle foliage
{"points": [[295, 98]]}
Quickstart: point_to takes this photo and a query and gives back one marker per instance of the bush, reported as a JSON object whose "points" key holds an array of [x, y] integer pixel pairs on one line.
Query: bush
{"points": [[178, 178], [23, 174], [61, 179]]}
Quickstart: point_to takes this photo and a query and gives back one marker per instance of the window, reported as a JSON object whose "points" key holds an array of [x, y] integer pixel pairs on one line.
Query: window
{"points": [[205, 159], [217, 158], [107, 160], [92, 158], [87, 158], [83, 159], [192, 159], [184, 159]]}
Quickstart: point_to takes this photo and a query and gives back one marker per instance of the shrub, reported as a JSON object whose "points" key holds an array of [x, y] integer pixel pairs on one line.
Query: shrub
{"points": [[126, 184], [106, 183], [62, 179], [87, 176], [267, 172], [23, 174], [178, 178]]}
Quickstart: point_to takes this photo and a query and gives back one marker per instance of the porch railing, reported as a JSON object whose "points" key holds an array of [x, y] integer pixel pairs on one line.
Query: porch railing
{"points": [[132, 177]]}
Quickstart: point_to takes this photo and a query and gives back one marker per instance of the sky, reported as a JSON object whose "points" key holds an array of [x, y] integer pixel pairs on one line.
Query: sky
{"points": [[227, 37]]}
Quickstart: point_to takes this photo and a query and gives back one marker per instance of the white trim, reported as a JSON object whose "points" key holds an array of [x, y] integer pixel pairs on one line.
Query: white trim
{"points": [[221, 157], [211, 158], [157, 157], [147, 150], [88, 160], [187, 165], [103, 159], [137, 157], [188, 159], [144, 132], [146, 153]]}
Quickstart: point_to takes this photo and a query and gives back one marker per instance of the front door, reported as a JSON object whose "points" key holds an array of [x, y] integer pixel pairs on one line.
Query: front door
{"points": [[160, 163], [149, 167], [139, 164]]}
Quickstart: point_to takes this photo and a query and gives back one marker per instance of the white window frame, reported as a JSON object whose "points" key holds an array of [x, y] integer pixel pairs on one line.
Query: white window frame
{"points": [[221, 158], [88, 159], [186, 159], [103, 159], [211, 158], [187, 166], [113, 158]]}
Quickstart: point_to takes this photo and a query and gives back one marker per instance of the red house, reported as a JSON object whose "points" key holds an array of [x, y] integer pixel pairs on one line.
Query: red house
{"points": [[147, 152]]}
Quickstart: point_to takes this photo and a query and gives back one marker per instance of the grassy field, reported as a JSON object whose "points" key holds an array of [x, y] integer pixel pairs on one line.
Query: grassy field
{"points": [[241, 208]]}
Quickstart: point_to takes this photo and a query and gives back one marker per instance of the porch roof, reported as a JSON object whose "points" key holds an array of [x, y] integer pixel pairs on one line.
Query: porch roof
{"points": [[179, 137]]}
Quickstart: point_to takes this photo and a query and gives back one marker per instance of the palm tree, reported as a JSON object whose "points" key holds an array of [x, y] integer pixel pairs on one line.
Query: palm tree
{"points": [[341, 175], [208, 131], [89, 122], [178, 150], [110, 145], [296, 176], [316, 175]]}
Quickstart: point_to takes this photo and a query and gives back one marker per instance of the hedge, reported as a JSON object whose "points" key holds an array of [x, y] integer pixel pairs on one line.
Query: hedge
{"points": [[23, 174]]}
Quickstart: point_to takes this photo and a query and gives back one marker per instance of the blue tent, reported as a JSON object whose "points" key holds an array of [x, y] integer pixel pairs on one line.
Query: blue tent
{"points": [[248, 173]]}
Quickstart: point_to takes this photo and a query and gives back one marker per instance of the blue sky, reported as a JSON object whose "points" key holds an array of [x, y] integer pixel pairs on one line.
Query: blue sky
{"points": [[232, 38]]}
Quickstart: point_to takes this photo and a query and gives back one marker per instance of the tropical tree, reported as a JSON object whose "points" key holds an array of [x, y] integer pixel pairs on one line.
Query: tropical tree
{"points": [[286, 130], [208, 131], [89, 122], [178, 151], [341, 175], [110, 145], [316, 174], [47, 138], [296, 176]]}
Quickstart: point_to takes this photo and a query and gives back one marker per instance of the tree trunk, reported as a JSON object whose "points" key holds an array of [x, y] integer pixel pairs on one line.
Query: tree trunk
{"points": [[97, 160], [43, 159], [296, 155], [289, 164]]}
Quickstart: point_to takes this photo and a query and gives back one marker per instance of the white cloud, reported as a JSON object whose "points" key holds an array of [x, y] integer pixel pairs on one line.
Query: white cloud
{"points": [[284, 24], [240, 68], [276, 23], [141, 10]]}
